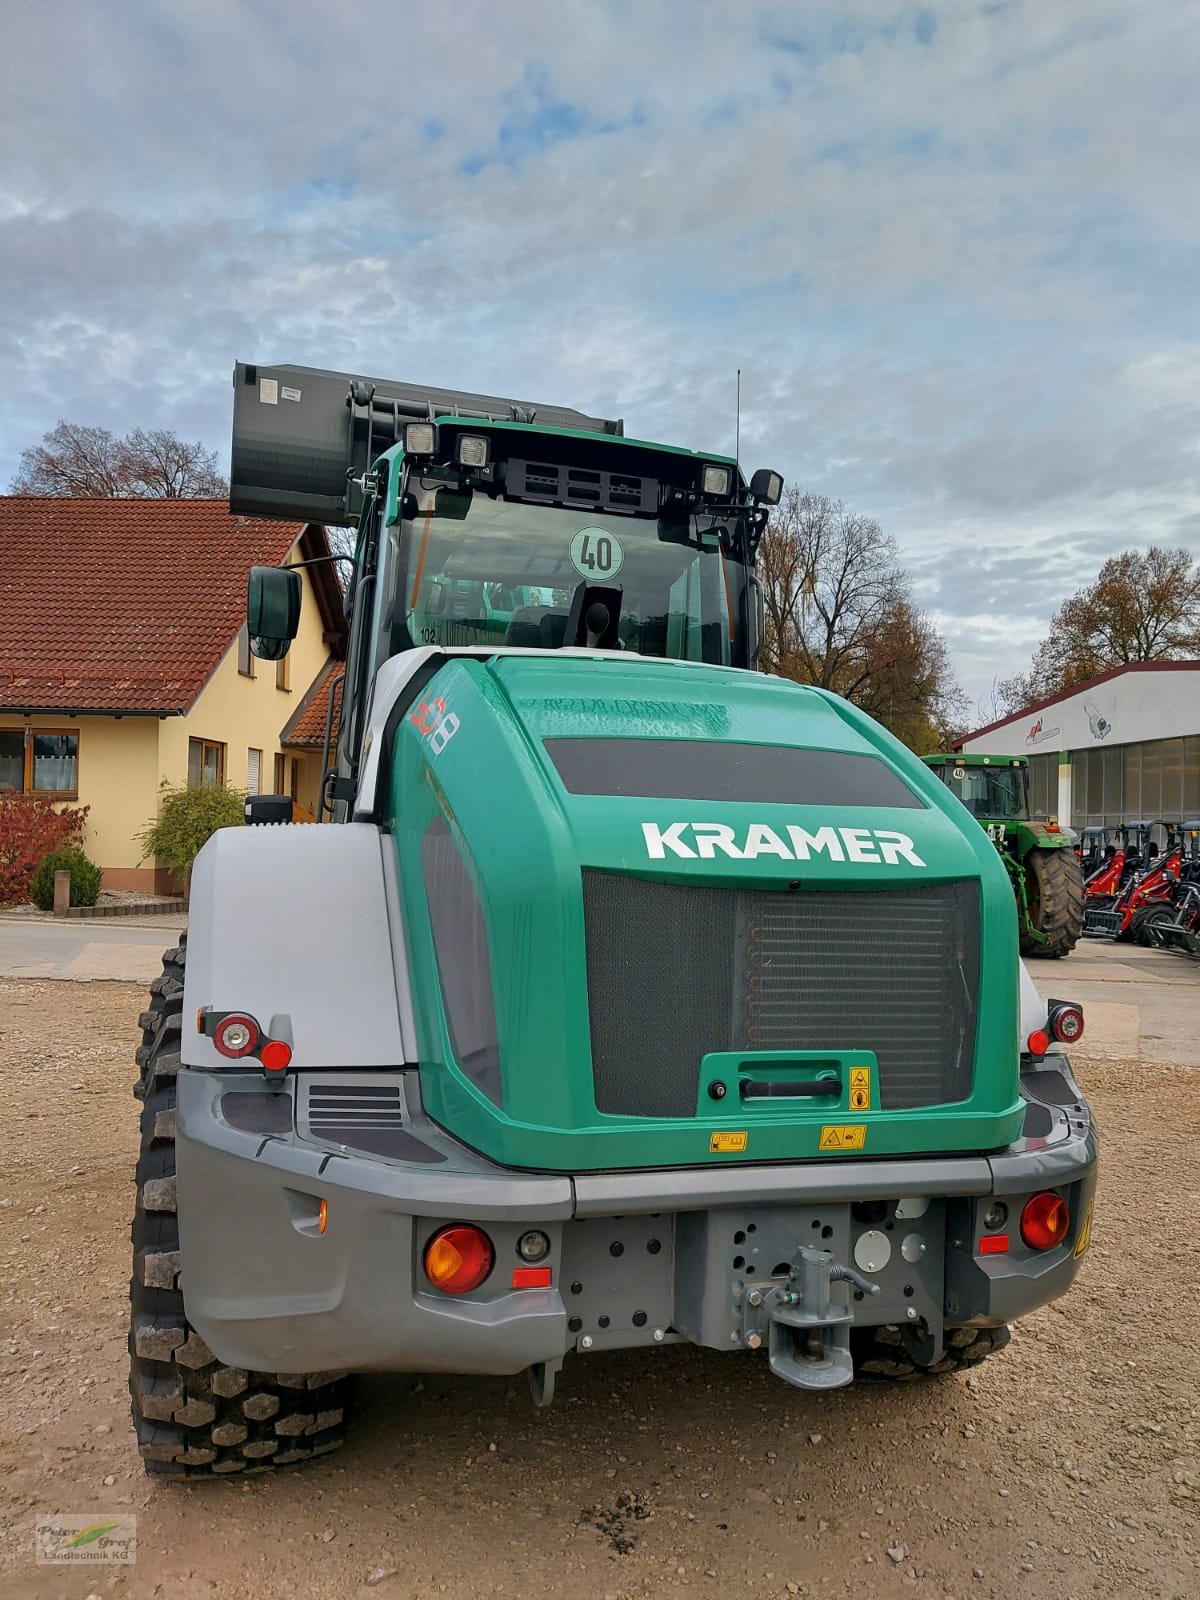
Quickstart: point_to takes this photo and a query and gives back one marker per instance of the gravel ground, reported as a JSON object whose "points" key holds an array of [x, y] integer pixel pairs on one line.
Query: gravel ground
{"points": [[1068, 1466]]}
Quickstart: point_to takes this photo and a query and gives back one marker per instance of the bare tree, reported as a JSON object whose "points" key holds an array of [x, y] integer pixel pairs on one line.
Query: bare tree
{"points": [[1143, 606], [75, 461], [161, 466], [90, 463], [839, 615]]}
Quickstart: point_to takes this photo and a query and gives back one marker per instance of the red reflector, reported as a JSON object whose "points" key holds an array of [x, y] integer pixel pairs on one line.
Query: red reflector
{"points": [[1045, 1221], [994, 1244], [275, 1055], [1038, 1042], [531, 1277]]}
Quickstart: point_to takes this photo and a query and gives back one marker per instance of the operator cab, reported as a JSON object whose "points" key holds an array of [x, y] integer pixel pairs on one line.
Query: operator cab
{"points": [[464, 567], [994, 789]]}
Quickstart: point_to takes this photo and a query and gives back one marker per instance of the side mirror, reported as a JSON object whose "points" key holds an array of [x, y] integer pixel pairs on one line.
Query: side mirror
{"points": [[272, 611], [767, 487]]}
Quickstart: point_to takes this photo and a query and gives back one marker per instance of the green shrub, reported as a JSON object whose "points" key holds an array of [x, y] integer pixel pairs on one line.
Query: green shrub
{"points": [[186, 820], [85, 879]]}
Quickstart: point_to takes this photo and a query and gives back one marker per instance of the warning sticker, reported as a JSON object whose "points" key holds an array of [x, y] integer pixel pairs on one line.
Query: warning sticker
{"points": [[1085, 1231], [843, 1136], [288, 394], [727, 1144], [268, 391], [860, 1088]]}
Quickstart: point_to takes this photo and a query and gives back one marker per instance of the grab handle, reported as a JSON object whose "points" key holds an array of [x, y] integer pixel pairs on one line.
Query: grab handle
{"points": [[789, 1088]]}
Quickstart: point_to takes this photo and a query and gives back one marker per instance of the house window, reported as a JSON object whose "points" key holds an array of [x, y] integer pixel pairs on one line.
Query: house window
{"points": [[280, 775], [245, 655], [282, 675], [206, 763], [253, 771], [40, 761]]}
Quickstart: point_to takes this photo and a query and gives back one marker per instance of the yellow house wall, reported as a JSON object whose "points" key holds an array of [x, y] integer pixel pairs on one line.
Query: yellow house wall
{"points": [[117, 776], [248, 713], [124, 760]]}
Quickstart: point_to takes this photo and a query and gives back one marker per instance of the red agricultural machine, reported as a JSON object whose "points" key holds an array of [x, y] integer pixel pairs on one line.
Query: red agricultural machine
{"points": [[1136, 876], [1175, 925]]}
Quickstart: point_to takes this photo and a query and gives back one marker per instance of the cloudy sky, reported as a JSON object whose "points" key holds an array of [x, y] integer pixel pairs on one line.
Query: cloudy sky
{"points": [[952, 247]]}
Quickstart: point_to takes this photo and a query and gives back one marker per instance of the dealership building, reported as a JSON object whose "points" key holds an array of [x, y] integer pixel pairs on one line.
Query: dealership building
{"points": [[1120, 747]]}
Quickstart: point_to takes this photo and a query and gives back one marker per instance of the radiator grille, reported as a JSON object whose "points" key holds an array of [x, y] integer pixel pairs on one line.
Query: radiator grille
{"points": [[676, 971]]}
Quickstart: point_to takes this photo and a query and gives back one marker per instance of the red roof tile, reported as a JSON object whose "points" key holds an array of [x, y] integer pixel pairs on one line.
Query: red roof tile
{"points": [[305, 729], [125, 605]]}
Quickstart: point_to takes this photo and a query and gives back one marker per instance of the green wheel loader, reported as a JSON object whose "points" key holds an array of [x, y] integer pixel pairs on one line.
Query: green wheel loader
{"points": [[632, 997], [1039, 857]]}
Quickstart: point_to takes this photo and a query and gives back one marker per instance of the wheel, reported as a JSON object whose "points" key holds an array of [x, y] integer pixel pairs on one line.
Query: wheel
{"points": [[196, 1417], [1141, 929], [1054, 890], [879, 1353]]}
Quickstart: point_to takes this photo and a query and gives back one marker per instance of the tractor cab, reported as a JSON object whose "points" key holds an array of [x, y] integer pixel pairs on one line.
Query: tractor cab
{"points": [[994, 789], [1039, 856]]}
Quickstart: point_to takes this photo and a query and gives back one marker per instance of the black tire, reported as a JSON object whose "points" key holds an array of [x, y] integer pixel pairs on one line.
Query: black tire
{"points": [[1139, 926], [196, 1417], [879, 1353], [1054, 891]]}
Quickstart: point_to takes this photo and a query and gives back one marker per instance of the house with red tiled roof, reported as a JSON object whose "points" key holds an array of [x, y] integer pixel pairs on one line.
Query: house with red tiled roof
{"points": [[124, 661]]}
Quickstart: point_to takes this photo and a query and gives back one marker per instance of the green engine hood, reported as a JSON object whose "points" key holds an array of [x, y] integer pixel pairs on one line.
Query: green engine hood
{"points": [[630, 952]]}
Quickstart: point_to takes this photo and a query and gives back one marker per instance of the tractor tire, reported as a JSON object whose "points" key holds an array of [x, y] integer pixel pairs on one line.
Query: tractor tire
{"points": [[195, 1417], [1054, 885], [879, 1353]]}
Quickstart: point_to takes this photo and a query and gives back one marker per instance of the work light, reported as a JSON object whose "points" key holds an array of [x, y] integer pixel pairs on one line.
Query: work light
{"points": [[471, 450], [716, 482], [420, 439]]}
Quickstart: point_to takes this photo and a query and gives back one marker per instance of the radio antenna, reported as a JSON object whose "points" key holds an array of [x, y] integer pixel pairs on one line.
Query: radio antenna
{"points": [[737, 431]]}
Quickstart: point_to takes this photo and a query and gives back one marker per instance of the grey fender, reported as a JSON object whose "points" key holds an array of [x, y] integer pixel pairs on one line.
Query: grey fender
{"points": [[300, 926]]}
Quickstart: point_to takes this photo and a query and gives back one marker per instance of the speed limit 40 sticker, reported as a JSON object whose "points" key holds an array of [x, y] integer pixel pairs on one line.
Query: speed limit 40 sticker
{"points": [[596, 553]]}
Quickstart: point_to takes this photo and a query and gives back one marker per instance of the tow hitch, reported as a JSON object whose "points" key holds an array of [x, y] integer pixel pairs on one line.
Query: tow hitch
{"points": [[808, 1335]]}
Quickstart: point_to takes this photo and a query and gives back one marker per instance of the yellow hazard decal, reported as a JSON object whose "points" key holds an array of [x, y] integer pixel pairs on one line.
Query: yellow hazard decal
{"points": [[860, 1088], [727, 1144], [843, 1136], [1085, 1231]]}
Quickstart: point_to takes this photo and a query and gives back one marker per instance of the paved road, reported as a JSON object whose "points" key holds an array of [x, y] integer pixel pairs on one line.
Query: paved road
{"points": [[1136, 1002], [120, 947]]}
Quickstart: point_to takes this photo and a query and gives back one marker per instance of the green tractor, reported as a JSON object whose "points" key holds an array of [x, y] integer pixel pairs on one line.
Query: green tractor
{"points": [[1047, 878]]}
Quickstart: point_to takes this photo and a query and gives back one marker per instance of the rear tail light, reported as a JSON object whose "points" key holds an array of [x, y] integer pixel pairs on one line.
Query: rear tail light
{"points": [[236, 1035], [1038, 1042], [458, 1258], [1066, 1022], [1045, 1220]]}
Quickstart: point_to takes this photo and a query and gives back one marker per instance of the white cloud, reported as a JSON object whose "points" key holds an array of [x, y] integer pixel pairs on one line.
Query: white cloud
{"points": [[954, 251]]}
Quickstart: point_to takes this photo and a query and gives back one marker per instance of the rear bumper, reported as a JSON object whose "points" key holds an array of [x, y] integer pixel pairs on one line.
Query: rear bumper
{"points": [[636, 1258]]}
